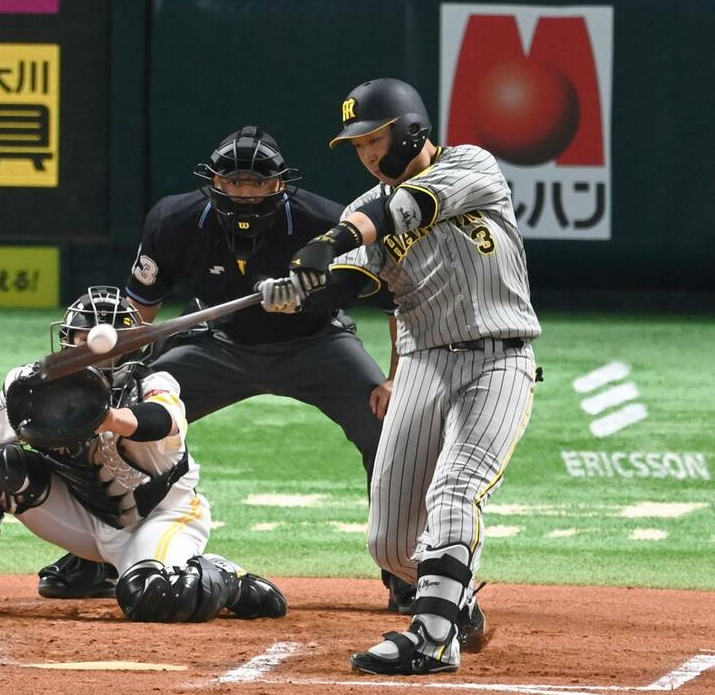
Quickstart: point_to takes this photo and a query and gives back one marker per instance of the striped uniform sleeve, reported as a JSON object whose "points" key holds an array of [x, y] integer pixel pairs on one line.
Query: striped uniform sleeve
{"points": [[162, 388], [463, 179], [367, 260]]}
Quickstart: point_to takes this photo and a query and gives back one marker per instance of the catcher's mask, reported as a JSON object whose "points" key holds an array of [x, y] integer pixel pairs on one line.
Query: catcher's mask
{"points": [[247, 154], [101, 304], [381, 103]]}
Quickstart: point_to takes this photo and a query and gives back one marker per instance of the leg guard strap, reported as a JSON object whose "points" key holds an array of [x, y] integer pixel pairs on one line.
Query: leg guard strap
{"points": [[437, 606], [405, 649], [446, 566]]}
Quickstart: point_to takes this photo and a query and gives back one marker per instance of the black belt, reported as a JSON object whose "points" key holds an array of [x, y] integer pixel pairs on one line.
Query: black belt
{"points": [[482, 343]]}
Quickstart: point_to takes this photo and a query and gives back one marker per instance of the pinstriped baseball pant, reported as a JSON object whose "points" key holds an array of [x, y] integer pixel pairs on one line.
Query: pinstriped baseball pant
{"points": [[451, 427]]}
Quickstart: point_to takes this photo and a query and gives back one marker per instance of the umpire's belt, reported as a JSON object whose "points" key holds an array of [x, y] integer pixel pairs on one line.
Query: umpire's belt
{"points": [[482, 343]]}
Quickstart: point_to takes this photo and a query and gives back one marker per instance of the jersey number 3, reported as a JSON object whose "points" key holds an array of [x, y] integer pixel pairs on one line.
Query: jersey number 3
{"points": [[485, 244]]}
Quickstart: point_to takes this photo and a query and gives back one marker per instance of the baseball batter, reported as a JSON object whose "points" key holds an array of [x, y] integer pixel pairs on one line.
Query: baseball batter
{"points": [[126, 496], [439, 228]]}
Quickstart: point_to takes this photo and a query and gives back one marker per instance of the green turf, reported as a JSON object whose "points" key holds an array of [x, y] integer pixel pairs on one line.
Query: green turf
{"points": [[572, 530]]}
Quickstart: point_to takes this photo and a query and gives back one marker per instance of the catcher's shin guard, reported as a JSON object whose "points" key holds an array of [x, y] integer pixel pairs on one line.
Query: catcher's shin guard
{"points": [[24, 479], [150, 592]]}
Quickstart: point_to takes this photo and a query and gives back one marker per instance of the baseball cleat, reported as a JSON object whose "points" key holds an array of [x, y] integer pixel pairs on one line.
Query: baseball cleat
{"points": [[74, 577], [418, 665], [398, 656]]}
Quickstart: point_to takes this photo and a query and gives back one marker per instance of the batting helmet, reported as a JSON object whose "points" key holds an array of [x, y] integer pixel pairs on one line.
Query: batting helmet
{"points": [[253, 152], [102, 304], [387, 102]]}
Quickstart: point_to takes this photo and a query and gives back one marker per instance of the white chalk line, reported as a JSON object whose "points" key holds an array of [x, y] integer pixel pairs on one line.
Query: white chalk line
{"points": [[253, 671]]}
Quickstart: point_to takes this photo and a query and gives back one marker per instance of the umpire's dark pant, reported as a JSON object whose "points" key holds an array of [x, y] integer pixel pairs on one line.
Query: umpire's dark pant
{"points": [[329, 369]]}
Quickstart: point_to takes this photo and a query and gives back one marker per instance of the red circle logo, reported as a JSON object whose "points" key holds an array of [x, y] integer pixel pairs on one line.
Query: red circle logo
{"points": [[526, 112]]}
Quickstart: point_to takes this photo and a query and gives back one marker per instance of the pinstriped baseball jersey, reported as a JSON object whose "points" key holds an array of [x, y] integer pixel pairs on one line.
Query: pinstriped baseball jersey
{"points": [[456, 415], [464, 275]]}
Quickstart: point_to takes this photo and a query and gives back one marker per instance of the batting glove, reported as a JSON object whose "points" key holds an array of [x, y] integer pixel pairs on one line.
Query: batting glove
{"points": [[309, 266], [280, 295]]}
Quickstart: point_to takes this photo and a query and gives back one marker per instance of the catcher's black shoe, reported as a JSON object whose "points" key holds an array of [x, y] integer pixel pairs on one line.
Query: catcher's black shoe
{"points": [[472, 626], [409, 661], [74, 577], [259, 598], [255, 596]]}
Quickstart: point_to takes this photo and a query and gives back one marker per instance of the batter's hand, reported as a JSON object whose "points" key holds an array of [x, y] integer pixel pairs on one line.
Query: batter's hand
{"points": [[281, 295], [380, 399], [309, 266]]}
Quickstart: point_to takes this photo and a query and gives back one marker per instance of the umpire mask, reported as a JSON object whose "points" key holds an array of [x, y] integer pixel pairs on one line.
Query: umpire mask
{"points": [[102, 304], [247, 182]]}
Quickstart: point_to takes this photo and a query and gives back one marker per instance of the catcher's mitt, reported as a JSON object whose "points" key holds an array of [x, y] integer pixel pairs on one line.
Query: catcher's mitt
{"points": [[58, 413]]}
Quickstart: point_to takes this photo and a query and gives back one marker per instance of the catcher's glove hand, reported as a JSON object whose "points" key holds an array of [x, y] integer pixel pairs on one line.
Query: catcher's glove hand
{"points": [[57, 413]]}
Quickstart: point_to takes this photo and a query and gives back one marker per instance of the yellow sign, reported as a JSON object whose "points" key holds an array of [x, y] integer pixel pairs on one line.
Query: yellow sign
{"points": [[29, 114], [29, 276]]}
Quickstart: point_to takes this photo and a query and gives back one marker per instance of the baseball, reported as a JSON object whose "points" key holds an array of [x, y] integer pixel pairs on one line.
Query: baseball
{"points": [[102, 338]]}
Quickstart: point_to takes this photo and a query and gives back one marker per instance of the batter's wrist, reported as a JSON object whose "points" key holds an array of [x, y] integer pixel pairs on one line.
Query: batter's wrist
{"points": [[343, 237]]}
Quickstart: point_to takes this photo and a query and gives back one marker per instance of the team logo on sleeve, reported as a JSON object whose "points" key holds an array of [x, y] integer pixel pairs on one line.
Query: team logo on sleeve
{"points": [[146, 270]]}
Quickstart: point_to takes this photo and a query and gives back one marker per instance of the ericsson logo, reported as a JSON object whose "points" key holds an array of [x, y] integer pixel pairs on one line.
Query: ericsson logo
{"points": [[611, 400]]}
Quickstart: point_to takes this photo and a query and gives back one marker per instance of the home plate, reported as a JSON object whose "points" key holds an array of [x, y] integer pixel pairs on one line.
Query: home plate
{"points": [[108, 666]]}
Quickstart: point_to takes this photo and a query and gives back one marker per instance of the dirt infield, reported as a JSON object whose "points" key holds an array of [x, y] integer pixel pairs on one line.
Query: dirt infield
{"points": [[543, 641]]}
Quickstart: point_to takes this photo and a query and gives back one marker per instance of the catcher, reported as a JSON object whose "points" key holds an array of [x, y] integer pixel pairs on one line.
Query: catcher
{"points": [[107, 476]]}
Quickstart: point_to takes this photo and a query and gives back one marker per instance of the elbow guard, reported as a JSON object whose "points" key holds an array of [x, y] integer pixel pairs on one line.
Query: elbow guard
{"points": [[403, 211], [153, 422]]}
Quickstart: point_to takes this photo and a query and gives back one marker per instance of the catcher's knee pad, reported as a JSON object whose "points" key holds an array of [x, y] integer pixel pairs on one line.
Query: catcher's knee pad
{"points": [[24, 479], [443, 584], [144, 592]]}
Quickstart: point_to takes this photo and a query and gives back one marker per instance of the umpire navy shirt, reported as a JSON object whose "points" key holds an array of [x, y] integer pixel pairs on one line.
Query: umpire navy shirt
{"points": [[183, 240]]}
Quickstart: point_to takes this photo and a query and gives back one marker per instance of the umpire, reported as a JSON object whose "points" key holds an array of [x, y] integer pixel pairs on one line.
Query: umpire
{"points": [[242, 227]]}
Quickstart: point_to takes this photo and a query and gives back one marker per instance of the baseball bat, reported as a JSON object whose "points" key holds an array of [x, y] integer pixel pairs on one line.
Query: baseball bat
{"points": [[73, 360]]}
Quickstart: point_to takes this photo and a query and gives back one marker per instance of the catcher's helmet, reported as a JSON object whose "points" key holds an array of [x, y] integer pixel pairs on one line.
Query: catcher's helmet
{"points": [[253, 152], [387, 102], [102, 304]]}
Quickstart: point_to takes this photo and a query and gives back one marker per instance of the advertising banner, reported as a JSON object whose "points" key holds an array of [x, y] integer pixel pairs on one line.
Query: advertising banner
{"points": [[29, 276], [29, 114], [533, 86]]}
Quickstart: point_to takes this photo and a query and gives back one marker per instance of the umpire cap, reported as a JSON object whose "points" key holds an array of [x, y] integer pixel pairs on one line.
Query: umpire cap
{"points": [[378, 103]]}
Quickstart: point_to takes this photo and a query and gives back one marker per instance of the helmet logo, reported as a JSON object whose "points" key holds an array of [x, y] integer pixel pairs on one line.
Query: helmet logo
{"points": [[348, 109], [244, 225]]}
